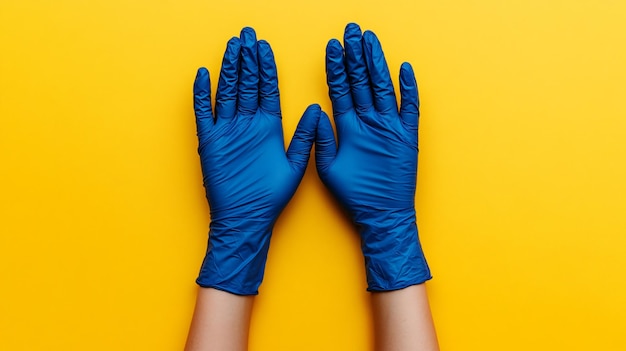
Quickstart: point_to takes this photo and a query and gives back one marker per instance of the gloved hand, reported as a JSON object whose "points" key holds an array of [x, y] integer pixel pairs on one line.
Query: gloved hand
{"points": [[247, 174], [373, 170]]}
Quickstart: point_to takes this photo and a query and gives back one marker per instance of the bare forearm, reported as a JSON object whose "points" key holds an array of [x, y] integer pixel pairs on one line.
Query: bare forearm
{"points": [[403, 320], [220, 321]]}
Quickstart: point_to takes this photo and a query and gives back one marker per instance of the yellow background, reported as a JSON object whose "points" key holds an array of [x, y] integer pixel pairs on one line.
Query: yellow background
{"points": [[521, 194]]}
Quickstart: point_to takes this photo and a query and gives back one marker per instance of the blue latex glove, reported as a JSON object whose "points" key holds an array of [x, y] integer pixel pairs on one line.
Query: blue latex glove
{"points": [[373, 171], [247, 174]]}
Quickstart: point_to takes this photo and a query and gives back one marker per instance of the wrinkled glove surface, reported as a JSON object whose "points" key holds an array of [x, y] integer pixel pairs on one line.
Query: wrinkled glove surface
{"points": [[247, 174], [373, 169]]}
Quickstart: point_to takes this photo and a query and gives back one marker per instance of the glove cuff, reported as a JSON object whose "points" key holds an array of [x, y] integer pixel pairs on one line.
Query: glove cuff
{"points": [[394, 258], [235, 261]]}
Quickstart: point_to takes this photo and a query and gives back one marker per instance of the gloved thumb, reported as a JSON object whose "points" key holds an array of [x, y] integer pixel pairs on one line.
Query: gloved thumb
{"points": [[325, 145], [300, 147]]}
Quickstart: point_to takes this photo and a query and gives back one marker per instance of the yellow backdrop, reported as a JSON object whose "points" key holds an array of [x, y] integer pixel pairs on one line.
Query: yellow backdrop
{"points": [[521, 194]]}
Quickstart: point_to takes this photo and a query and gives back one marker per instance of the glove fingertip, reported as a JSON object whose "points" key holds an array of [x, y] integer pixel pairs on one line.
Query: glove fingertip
{"points": [[352, 32], [202, 70], [334, 47], [248, 36], [308, 122], [313, 108], [407, 76], [202, 81], [369, 37]]}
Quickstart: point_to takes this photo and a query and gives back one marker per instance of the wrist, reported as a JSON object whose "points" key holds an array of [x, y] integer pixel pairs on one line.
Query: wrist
{"points": [[235, 259], [393, 255]]}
